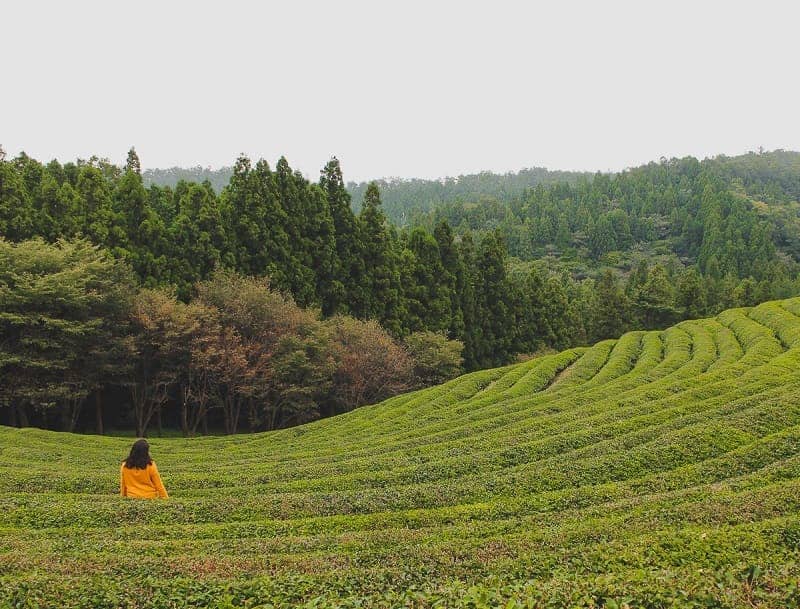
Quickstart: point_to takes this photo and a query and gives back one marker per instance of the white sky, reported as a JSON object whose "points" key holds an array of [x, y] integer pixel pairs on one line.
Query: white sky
{"points": [[411, 89]]}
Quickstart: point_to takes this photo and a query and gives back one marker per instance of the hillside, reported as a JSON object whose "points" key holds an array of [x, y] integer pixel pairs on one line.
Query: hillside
{"points": [[661, 469], [406, 199], [772, 176], [401, 196], [673, 240]]}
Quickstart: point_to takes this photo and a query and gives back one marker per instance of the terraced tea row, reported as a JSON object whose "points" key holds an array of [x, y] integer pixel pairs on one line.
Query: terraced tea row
{"points": [[660, 469]]}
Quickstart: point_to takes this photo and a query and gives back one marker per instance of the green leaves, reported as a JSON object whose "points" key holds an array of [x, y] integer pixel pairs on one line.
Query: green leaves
{"points": [[63, 309], [656, 470]]}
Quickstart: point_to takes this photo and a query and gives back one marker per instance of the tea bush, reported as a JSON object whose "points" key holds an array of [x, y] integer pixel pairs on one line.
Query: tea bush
{"points": [[661, 469]]}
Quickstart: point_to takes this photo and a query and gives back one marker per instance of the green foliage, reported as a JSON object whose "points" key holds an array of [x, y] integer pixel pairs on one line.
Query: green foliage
{"points": [[62, 313], [436, 359], [696, 211], [657, 470], [655, 299], [717, 245], [612, 312], [382, 275]]}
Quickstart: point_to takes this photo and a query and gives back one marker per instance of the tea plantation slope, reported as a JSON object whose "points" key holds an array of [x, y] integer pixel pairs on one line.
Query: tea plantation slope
{"points": [[661, 469]]}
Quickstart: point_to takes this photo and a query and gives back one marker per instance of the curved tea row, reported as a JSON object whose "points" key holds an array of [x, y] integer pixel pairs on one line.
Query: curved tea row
{"points": [[659, 469]]}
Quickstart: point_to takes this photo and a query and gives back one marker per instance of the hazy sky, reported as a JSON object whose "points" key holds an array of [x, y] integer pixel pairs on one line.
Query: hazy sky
{"points": [[411, 89]]}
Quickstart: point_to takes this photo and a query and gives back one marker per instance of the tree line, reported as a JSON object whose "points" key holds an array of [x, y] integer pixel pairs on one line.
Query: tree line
{"points": [[424, 286], [77, 328], [683, 206], [304, 236]]}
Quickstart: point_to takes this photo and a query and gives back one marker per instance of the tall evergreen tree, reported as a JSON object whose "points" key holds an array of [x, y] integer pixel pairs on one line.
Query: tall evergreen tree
{"points": [[602, 238], [472, 333], [145, 246], [531, 326], [296, 205], [494, 318], [198, 237], [258, 223], [346, 292], [99, 222], [132, 163], [428, 290], [655, 300], [612, 307], [454, 275], [380, 261], [691, 295], [16, 213], [321, 243]]}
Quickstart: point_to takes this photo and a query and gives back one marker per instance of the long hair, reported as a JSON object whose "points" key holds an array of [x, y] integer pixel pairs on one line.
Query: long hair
{"points": [[140, 455]]}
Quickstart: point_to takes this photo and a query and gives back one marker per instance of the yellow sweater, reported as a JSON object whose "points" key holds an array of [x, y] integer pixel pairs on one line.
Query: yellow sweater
{"points": [[141, 483]]}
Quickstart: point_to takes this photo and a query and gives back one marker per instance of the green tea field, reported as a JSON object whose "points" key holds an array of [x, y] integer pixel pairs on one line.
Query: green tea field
{"points": [[661, 469]]}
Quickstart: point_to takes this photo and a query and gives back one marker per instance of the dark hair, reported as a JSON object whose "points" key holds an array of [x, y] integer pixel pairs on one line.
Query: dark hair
{"points": [[140, 455]]}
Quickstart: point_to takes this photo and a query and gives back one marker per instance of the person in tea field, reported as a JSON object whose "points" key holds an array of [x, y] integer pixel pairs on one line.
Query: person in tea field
{"points": [[138, 474]]}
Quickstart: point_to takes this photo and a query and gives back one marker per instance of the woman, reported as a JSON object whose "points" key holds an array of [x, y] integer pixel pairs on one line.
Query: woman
{"points": [[139, 474]]}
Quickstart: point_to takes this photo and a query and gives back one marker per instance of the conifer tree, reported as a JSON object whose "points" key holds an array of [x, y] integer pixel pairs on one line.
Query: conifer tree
{"points": [[612, 307], [601, 237], [691, 295], [531, 326], [296, 205], [258, 223], [198, 237], [454, 275], [347, 288], [427, 293], [494, 318], [380, 260], [144, 229], [16, 213], [655, 300], [321, 243], [563, 235], [556, 312], [99, 222], [745, 294], [132, 163], [472, 333]]}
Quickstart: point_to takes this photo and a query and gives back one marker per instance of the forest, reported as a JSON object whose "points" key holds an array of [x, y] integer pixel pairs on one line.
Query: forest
{"points": [[296, 281]]}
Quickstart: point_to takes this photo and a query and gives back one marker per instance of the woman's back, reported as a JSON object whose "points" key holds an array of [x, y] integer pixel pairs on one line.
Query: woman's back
{"points": [[138, 475], [141, 483]]}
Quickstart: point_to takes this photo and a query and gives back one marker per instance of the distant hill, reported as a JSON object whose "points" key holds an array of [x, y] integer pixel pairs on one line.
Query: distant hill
{"points": [[400, 197], [660, 469], [772, 177], [404, 198], [219, 178]]}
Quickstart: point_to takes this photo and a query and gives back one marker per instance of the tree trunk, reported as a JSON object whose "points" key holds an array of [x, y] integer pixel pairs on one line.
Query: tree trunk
{"points": [[98, 412], [158, 422], [197, 417], [66, 416], [75, 407], [22, 416], [226, 415], [237, 411], [205, 423], [12, 411], [185, 419], [251, 414], [138, 411], [274, 417]]}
